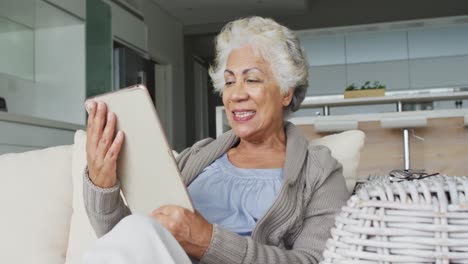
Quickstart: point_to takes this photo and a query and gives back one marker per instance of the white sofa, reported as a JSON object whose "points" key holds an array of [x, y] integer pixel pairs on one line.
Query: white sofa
{"points": [[43, 220]]}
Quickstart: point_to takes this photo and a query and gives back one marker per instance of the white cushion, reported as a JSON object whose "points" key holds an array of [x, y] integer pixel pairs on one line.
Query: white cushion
{"points": [[35, 191], [346, 148], [82, 234]]}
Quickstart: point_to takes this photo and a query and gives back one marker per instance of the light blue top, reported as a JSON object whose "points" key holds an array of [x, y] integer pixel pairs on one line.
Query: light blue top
{"points": [[235, 198]]}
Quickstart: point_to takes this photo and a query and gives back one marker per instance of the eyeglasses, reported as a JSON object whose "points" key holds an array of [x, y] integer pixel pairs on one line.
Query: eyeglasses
{"points": [[409, 175]]}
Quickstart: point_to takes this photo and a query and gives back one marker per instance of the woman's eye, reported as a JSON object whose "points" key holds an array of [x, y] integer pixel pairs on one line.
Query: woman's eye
{"points": [[228, 83], [252, 81]]}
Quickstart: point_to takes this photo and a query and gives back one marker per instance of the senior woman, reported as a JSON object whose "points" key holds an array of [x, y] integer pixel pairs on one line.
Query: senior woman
{"points": [[262, 193]]}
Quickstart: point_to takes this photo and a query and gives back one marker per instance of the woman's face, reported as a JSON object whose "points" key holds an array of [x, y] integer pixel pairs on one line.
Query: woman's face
{"points": [[251, 96]]}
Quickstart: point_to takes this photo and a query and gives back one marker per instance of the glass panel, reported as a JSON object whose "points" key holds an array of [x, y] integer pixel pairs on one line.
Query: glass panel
{"points": [[328, 79], [16, 49], [435, 42], [439, 72], [98, 48], [325, 50], [393, 74], [376, 46]]}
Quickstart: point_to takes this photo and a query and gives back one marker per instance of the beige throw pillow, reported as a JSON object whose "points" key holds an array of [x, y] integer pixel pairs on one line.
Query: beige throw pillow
{"points": [[35, 192], [346, 148]]}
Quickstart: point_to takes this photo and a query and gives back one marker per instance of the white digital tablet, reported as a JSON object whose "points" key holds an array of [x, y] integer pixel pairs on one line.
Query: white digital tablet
{"points": [[146, 167]]}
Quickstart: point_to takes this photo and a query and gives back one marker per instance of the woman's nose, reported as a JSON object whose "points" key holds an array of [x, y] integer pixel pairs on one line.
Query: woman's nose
{"points": [[238, 93]]}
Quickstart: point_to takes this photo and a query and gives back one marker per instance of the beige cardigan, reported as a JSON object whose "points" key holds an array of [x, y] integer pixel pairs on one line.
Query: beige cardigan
{"points": [[294, 229]]}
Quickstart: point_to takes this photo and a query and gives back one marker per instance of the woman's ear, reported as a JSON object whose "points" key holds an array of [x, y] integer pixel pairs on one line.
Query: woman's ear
{"points": [[288, 97]]}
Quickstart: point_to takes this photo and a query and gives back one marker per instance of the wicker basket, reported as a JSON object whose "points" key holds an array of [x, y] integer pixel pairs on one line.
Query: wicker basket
{"points": [[423, 221]]}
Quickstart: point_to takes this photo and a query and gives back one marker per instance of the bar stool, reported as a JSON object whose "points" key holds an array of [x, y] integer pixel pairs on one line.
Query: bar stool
{"points": [[323, 126], [405, 123]]}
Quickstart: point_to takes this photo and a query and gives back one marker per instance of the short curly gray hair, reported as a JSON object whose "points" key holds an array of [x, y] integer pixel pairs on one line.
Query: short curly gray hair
{"points": [[275, 43]]}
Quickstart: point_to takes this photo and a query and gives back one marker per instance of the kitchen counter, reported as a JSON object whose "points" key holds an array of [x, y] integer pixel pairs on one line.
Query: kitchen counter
{"points": [[40, 122], [416, 96], [380, 116]]}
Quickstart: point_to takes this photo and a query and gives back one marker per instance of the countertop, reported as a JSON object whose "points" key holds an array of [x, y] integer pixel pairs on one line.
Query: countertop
{"points": [[36, 121]]}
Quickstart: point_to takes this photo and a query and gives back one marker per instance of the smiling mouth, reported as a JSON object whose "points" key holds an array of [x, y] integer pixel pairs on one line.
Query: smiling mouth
{"points": [[243, 115]]}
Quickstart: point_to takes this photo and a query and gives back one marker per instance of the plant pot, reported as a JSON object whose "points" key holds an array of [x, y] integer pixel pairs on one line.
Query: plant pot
{"points": [[364, 93]]}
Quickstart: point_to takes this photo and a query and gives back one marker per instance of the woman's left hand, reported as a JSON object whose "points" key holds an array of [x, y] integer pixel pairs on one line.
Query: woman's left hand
{"points": [[191, 230]]}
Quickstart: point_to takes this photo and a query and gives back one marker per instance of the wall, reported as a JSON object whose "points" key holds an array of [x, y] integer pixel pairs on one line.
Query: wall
{"points": [[199, 51], [166, 46]]}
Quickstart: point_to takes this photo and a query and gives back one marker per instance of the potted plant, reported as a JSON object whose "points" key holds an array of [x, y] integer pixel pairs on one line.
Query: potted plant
{"points": [[366, 90]]}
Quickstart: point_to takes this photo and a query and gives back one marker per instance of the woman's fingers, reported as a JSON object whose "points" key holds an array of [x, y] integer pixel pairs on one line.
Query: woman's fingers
{"points": [[109, 164], [99, 122], [107, 137], [105, 176], [96, 121], [167, 219], [101, 116], [169, 210], [114, 150], [91, 109], [101, 147], [163, 219], [191, 230]]}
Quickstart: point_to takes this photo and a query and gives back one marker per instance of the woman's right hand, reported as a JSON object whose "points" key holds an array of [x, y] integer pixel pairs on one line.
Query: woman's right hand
{"points": [[102, 149]]}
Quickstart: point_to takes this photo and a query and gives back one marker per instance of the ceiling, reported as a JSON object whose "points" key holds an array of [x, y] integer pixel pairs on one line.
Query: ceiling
{"points": [[208, 16], [195, 12]]}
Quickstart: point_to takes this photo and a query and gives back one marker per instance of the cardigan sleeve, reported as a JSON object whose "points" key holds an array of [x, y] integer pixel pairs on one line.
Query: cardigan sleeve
{"points": [[328, 196], [104, 206]]}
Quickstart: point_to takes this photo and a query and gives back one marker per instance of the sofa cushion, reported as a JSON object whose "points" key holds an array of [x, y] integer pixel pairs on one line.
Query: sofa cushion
{"points": [[35, 191], [81, 232], [346, 148]]}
